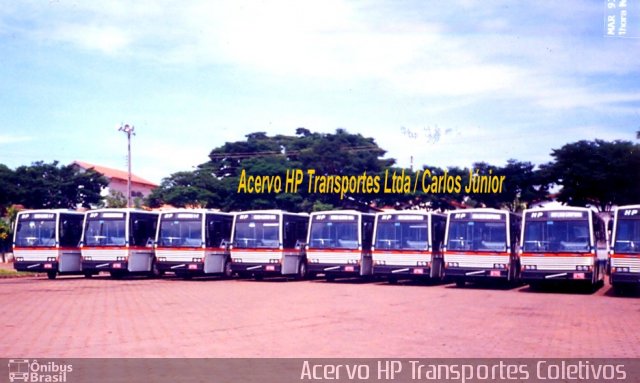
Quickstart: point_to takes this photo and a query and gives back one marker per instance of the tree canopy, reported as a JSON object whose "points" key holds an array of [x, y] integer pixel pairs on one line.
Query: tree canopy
{"points": [[43, 186]]}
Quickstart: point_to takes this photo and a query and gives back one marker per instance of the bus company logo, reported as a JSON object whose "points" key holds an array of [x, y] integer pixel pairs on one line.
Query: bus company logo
{"points": [[385, 217], [630, 212], [24, 370], [537, 214], [459, 215]]}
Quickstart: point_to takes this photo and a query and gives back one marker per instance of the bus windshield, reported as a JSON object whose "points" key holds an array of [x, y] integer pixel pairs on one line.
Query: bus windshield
{"points": [[334, 235], [558, 236], [402, 235], [36, 232], [105, 232], [257, 234], [477, 236], [627, 236], [180, 233]]}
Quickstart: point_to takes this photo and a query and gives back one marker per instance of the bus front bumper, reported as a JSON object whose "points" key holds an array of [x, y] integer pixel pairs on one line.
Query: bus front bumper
{"points": [[180, 267], [97, 266], [324, 268], [256, 268], [404, 271], [474, 273], [36, 266], [555, 275], [617, 277]]}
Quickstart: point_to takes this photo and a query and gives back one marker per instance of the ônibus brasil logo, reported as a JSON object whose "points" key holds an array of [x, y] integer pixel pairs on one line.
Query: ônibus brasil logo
{"points": [[24, 370]]}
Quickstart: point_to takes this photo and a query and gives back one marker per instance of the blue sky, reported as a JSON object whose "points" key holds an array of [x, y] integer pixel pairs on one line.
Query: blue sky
{"points": [[497, 80]]}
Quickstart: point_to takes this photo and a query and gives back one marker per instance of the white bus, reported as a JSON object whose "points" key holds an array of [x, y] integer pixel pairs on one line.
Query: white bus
{"points": [[119, 241], [48, 241], [481, 244], [408, 244], [564, 243], [339, 243], [269, 243], [192, 242], [624, 256]]}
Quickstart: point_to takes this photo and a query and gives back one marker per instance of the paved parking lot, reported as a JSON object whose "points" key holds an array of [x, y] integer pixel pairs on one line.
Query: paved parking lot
{"points": [[137, 317]]}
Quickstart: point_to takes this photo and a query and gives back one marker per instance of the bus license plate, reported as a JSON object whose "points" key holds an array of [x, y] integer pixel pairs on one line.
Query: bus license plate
{"points": [[117, 265], [495, 273], [193, 267], [348, 268], [48, 266], [578, 276], [418, 271], [270, 268]]}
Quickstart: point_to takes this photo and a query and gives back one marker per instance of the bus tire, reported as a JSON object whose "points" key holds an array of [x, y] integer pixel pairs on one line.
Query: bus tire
{"points": [[258, 277], [154, 273], [392, 280], [51, 274], [227, 272], [460, 282], [116, 274], [302, 270], [88, 275], [330, 277]]}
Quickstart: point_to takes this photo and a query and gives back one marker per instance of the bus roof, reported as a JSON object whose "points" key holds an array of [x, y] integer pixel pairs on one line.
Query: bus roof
{"points": [[200, 211], [271, 211], [33, 211], [336, 212]]}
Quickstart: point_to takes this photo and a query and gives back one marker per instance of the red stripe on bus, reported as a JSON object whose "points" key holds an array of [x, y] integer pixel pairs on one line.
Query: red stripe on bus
{"points": [[615, 255], [492, 253], [46, 248], [180, 248], [589, 255], [400, 251], [350, 251], [259, 250]]}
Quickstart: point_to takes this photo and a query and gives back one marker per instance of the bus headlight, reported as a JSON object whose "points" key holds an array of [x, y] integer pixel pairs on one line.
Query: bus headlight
{"points": [[499, 266], [19, 259], [453, 264], [196, 259], [530, 267], [620, 269]]}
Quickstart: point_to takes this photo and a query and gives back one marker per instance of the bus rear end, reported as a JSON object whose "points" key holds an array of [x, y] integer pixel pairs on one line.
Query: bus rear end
{"points": [[48, 241], [339, 244], [562, 244], [407, 245], [480, 245], [624, 258]]}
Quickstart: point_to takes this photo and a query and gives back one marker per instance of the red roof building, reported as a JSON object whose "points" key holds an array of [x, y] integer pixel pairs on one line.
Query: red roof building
{"points": [[118, 180]]}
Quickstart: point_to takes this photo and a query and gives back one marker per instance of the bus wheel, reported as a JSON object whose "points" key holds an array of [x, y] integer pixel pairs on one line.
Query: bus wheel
{"points": [[226, 271], [460, 283], [88, 275], [392, 280], [51, 275], [116, 274], [302, 270], [258, 277], [330, 277], [154, 273]]}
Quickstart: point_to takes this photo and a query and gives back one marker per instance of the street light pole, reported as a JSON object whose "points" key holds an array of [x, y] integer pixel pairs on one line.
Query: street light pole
{"points": [[128, 130]]}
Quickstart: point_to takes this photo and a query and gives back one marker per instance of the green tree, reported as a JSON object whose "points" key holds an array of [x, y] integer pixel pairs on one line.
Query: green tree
{"points": [[42, 185], [599, 173], [215, 183]]}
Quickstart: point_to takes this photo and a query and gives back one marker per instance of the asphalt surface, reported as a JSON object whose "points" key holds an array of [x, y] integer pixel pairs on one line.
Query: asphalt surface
{"points": [[170, 317]]}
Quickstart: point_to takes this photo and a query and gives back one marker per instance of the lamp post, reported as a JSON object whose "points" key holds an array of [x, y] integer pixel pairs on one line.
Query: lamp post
{"points": [[128, 130]]}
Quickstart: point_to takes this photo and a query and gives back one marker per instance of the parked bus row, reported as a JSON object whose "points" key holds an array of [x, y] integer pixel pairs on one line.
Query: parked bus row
{"points": [[541, 245]]}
